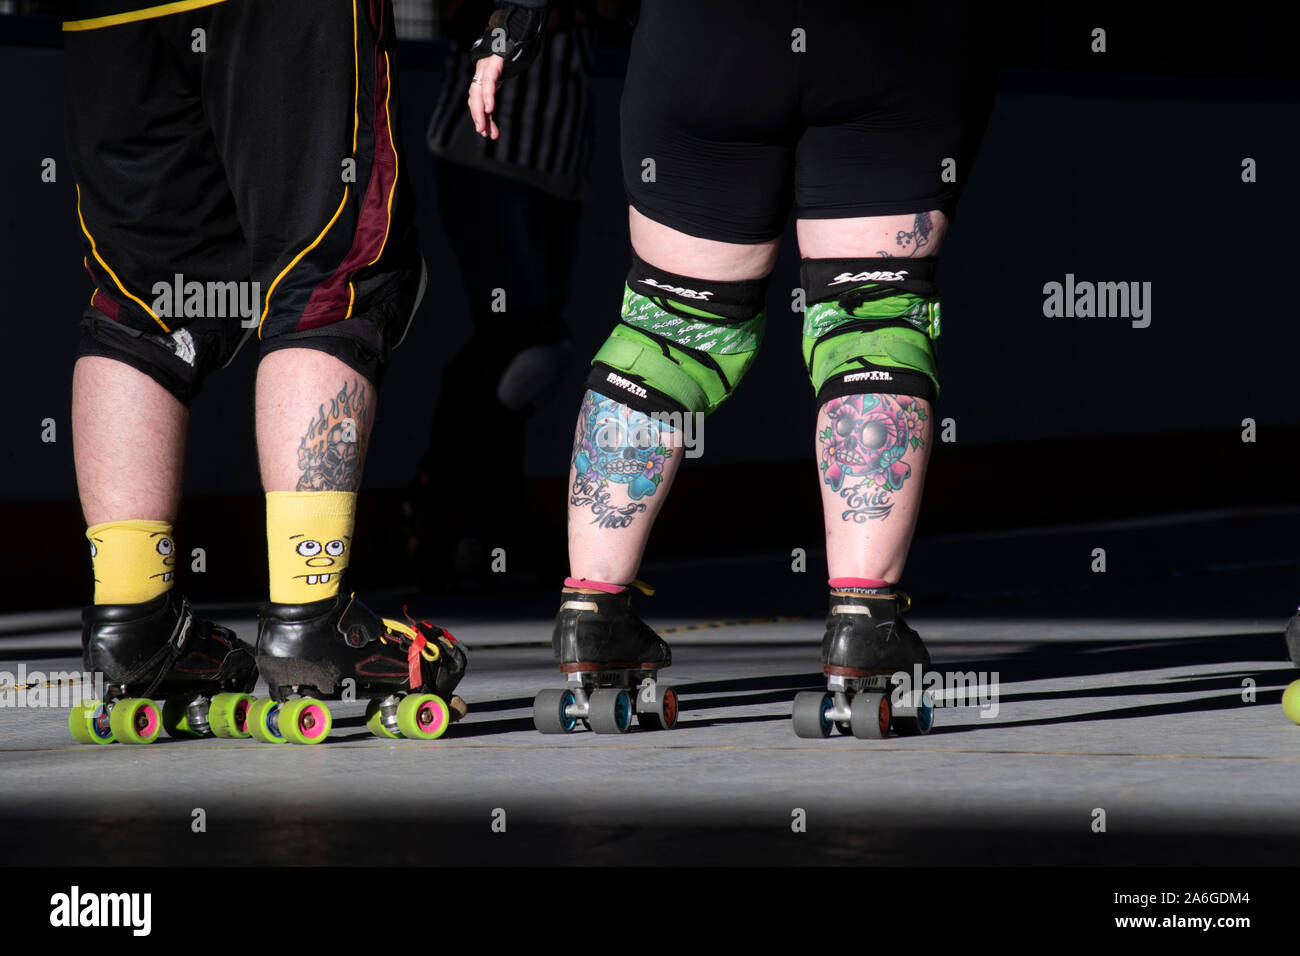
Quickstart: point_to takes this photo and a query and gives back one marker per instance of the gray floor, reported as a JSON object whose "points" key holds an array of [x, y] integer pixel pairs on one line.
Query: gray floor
{"points": [[1142, 720]]}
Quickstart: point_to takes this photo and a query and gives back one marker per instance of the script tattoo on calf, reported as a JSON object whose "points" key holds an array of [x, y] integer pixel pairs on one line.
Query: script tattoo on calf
{"points": [[862, 451], [333, 449], [616, 446]]}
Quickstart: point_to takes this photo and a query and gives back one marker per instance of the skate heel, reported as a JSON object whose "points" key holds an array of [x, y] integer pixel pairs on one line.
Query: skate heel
{"points": [[866, 644], [612, 660]]}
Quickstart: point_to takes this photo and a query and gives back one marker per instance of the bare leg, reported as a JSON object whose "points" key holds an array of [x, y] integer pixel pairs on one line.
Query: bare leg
{"points": [[314, 416], [610, 520], [870, 504], [128, 442]]}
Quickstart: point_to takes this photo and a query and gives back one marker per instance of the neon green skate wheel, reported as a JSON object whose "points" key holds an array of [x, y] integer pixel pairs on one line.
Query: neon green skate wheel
{"points": [[1291, 701], [88, 722], [176, 720], [135, 720], [264, 721], [423, 716], [305, 720], [374, 720], [228, 715]]}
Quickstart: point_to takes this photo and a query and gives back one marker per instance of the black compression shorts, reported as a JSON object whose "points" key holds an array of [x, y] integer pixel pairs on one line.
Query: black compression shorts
{"points": [[740, 124], [240, 145]]}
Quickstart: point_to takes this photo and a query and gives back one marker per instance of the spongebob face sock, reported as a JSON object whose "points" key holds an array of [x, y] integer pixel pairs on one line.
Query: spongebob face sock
{"points": [[133, 560], [309, 542]]}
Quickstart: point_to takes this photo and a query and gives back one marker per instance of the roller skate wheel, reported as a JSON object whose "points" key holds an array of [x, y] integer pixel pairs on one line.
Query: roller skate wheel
{"points": [[1291, 701], [228, 716], [375, 721], [809, 714], [305, 720], [264, 721], [135, 720], [423, 716], [176, 720], [550, 712], [88, 722], [611, 711], [869, 716], [660, 711], [918, 724]]}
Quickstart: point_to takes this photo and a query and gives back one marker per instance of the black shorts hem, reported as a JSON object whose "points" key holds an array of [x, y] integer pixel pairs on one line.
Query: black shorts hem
{"points": [[704, 230]]}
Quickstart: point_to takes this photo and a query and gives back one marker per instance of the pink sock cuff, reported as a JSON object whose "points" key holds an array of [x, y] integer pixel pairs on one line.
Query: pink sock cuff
{"points": [[595, 585], [858, 583]]}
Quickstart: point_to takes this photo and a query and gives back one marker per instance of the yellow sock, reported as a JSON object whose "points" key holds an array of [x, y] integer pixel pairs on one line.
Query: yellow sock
{"points": [[309, 542], [133, 560]]}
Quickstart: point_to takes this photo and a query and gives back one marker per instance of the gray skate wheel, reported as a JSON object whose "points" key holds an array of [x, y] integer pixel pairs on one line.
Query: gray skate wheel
{"points": [[809, 713], [661, 714], [870, 715], [550, 712], [918, 724], [611, 711]]}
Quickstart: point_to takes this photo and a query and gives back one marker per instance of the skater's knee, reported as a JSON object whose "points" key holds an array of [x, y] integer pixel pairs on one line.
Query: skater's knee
{"points": [[682, 344], [870, 326], [179, 361]]}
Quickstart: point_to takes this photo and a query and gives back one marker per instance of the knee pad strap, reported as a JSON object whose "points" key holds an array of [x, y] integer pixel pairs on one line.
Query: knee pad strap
{"points": [[869, 326], [682, 344]]}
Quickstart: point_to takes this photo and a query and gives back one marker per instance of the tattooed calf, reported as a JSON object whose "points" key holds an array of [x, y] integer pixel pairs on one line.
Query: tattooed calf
{"points": [[332, 450], [616, 445], [862, 450]]}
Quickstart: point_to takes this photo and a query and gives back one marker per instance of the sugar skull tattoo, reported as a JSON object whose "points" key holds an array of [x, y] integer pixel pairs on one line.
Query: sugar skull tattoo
{"points": [[616, 446], [863, 447]]}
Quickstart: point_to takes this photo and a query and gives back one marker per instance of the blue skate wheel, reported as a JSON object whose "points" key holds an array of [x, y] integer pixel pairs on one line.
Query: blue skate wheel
{"points": [[89, 724], [918, 724], [611, 711], [551, 712], [264, 721], [809, 714]]}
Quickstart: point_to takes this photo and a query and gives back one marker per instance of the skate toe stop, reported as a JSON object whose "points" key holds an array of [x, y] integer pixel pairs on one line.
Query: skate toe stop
{"points": [[458, 708]]}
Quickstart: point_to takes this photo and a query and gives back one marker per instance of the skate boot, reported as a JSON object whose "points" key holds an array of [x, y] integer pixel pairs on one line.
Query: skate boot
{"points": [[159, 650], [1293, 638], [313, 652], [611, 658], [866, 643]]}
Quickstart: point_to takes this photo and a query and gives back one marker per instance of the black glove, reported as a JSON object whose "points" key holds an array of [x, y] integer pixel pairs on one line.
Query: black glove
{"points": [[515, 34]]}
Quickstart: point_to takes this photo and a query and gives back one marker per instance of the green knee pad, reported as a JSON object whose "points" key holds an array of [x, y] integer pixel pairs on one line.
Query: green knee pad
{"points": [[690, 356], [872, 337]]}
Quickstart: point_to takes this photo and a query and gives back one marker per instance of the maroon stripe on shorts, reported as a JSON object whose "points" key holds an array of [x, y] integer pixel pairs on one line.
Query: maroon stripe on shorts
{"points": [[97, 299], [329, 300]]}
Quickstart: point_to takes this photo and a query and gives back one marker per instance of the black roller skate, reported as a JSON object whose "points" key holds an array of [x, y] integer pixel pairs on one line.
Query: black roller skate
{"points": [[611, 658], [866, 643], [159, 649], [338, 646]]}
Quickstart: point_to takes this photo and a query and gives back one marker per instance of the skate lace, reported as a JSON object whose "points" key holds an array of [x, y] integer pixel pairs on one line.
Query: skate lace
{"points": [[419, 648]]}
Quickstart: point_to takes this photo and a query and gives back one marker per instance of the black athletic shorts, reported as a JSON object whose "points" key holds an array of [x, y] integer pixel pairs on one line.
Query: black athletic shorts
{"points": [[740, 123], [241, 142]]}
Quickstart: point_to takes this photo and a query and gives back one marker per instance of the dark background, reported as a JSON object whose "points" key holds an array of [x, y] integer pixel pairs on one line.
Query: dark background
{"points": [[1122, 166]]}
